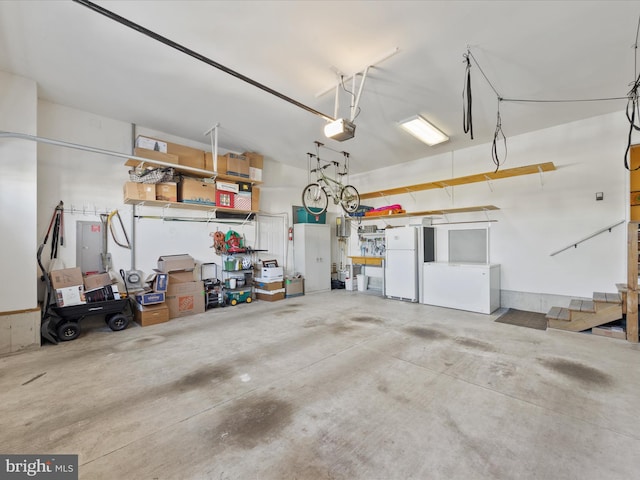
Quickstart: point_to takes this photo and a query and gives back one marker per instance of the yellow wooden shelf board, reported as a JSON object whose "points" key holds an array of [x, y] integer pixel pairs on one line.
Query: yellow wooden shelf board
{"points": [[452, 182], [359, 260], [183, 206], [445, 211]]}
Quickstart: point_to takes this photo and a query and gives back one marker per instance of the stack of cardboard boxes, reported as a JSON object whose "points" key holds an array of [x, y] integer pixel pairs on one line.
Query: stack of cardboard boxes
{"points": [[173, 291], [185, 295], [71, 288], [194, 189], [269, 285]]}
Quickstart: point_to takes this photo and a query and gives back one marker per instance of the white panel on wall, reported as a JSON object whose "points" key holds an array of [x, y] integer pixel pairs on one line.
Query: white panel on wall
{"points": [[18, 194]]}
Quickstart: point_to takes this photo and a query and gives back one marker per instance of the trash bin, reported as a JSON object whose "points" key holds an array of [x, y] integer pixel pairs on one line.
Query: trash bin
{"points": [[362, 281]]}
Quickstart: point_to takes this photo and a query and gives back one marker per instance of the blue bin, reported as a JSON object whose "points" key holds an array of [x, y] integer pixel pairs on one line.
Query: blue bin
{"points": [[303, 216]]}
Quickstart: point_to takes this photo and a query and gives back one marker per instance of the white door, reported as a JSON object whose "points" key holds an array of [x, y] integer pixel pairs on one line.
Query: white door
{"points": [[401, 275], [403, 238]]}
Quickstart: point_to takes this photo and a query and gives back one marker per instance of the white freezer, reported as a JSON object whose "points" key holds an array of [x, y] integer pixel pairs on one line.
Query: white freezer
{"points": [[471, 287], [401, 265]]}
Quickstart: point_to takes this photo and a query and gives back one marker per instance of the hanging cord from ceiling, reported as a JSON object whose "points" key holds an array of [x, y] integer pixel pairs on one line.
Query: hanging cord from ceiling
{"points": [[496, 139], [197, 56], [498, 131], [353, 97], [467, 121]]}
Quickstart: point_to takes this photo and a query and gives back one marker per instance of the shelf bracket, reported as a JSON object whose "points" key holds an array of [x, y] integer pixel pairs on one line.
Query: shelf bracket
{"points": [[486, 214], [489, 182], [446, 188], [541, 176], [410, 192]]}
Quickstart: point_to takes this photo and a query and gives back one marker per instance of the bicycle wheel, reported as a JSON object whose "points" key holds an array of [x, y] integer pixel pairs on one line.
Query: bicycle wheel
{"points": [[314, 199], [349, 199]]}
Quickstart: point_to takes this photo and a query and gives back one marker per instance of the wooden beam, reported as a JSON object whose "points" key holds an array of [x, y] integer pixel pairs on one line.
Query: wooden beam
{"points": [[632, 282]]}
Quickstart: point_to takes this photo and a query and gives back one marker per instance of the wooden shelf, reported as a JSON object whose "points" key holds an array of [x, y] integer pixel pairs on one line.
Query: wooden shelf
{"points": [[200, 173], [373, 261], [452, 182], [425, 213], [184, 206]]}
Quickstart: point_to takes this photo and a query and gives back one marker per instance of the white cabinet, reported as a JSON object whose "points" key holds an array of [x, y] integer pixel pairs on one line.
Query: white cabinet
{"points": [[472, 287], [312, 255]]}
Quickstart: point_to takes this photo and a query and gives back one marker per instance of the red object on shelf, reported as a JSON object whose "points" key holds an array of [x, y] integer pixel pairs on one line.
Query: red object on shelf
{"points": [[224, 199]]}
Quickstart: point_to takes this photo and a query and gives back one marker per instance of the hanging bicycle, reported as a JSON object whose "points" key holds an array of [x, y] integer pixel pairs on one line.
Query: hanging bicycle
{"points": [[315, 196]]}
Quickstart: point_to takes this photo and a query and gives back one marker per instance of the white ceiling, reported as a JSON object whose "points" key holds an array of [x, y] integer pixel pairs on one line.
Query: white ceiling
{"points": [[527, 49]]}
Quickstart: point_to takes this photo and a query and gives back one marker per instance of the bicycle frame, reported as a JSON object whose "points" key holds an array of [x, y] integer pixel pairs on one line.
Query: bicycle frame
{"points": [[325, 181]]}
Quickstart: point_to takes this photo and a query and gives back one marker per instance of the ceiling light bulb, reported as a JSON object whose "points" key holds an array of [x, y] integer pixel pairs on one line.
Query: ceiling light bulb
{"points": [[423, 130]]}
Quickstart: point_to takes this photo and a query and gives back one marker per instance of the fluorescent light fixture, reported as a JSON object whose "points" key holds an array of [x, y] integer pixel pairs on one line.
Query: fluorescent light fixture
{"points": [[340, 129], [423, 130]]}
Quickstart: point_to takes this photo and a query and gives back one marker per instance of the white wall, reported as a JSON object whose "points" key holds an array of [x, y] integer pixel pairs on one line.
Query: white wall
{"points": [[92, 183], [538, 214], [18, 194]]}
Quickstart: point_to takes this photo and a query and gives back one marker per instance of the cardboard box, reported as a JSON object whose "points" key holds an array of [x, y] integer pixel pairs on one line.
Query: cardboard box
{"points": [[228, 187], [96, 281], [187, 156], [255, 159], [267, 284], [155, 155], [242, 201], [157, 281], [151, 314], [219, 167], [611, 332], [270, 296], [271, 273], [182, 277], [237, 165], [67, 296], [294, 286], [255, 199], [139, 191], [67, 277], [185, 299], [173, 263], [167, 192], [194, 190], [102, 294], [255, 165], [151, 144], [150, 298], [255, 174]]}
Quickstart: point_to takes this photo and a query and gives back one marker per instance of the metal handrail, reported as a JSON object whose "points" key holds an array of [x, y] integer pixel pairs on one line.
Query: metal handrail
{"points": [[575, 244]]}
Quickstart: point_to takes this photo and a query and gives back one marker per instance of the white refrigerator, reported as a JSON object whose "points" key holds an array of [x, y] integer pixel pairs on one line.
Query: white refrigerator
{"points": [[403, 263]]}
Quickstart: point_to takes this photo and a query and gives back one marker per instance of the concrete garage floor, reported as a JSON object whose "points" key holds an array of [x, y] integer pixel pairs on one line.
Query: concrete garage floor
{"points": [[338, 385]]}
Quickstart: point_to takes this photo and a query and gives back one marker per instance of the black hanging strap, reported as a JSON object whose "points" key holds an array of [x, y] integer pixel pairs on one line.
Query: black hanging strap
{"points": [[467, 121]]}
